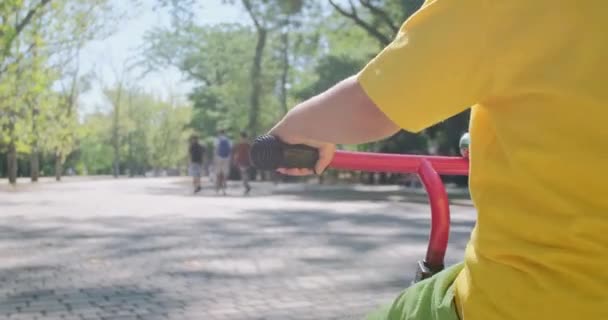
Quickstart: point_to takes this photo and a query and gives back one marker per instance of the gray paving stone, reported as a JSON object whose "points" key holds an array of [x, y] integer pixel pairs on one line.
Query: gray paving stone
{"points": [[147, 249]]}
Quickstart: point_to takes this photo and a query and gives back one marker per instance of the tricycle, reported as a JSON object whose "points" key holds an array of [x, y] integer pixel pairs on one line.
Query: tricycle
{"points": [[269, 153]]}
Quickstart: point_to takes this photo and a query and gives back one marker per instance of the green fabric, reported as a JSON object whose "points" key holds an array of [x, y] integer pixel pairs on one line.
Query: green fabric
{"points": [[430, 299]]}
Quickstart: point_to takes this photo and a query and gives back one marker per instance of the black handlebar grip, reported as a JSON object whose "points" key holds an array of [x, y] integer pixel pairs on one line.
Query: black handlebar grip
{"points": [[270, 153]]}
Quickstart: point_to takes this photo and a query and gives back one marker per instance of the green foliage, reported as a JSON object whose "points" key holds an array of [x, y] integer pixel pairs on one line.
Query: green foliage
{"points": [[152, 133], [40, 41], [325, 43], [379, 21], [217, 59], [94, 145], [329, 71], [246, 75]]}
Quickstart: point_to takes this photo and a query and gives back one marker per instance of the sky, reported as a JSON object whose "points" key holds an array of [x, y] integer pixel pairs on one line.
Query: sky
{"points": [[106, 56]]}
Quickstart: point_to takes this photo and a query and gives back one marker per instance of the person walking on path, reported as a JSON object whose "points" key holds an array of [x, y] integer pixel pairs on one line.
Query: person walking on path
{"points": [[196, 151], [242, 161], [223, 152]]}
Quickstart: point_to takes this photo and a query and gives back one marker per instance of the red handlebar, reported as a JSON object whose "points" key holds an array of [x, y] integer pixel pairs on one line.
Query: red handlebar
{"points": [[428, 169], [398, 163]]}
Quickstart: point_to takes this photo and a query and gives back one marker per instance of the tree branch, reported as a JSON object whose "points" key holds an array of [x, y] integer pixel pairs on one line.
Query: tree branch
{"points": [[203, 77], [22, 24], [17, 59], [380, 13], [249, 9], [353, 15], [73, 94]]}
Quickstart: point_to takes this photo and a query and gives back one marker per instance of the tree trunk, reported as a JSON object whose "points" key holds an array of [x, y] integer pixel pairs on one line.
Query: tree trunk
{"points": [[116, 148], [256, 81], [35, 165], [35, 156], [58, 166], [131, 156], [284, 67], [115, 138], [11, 163], [116, 166]]}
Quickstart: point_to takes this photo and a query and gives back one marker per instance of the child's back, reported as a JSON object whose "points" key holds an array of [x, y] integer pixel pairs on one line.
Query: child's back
{"points": [[538, 161], [535, 73]]}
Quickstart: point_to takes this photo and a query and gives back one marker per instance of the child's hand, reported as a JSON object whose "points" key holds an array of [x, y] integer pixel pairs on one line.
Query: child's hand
{"points": [[343, 114], [326, 153]]}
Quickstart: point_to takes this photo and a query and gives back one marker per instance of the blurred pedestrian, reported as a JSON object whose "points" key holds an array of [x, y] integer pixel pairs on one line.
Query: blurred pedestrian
{"points": [[241, 160], [223, 152], [196, 152]]}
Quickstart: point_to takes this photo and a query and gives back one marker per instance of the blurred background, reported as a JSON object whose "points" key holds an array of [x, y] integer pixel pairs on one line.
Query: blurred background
{"points": [[108, 87]]}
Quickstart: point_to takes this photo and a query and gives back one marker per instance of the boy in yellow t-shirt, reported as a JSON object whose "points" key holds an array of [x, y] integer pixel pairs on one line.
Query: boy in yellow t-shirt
{"points": [[535, 74]]}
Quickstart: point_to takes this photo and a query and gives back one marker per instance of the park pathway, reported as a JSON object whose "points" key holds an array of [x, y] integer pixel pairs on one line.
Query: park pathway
{"points": [[148, 249]]}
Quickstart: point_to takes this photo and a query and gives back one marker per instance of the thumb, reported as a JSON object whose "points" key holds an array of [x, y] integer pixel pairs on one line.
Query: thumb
{"points": [[326, 155]]}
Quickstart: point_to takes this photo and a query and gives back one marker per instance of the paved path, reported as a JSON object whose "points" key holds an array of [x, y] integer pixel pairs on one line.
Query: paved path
{"points": [[148, 249]]}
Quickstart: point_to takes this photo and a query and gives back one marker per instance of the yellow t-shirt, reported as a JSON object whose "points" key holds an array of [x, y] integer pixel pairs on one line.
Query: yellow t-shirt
{"points": [[536, 74]]}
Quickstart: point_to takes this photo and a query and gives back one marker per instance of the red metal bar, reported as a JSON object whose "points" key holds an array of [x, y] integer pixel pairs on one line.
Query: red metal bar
{"points": [[440, 214], [398, 163], [428, 169]]}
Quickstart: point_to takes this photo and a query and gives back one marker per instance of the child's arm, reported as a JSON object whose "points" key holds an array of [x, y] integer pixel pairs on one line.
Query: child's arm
{"points": [[439, 64], [344, 114]]}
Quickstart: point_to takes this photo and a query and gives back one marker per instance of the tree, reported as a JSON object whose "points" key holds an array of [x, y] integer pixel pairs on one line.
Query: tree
{"points": [[246, 75], [37, 41], [95, 147], [267, 76], [381, 20], [151, 133], [87, 20], [15, 18], [214, 59], [261, 27], [170, 137], [16, 45], [33, 102], [116, 97], [267, 16], [295, 22]]}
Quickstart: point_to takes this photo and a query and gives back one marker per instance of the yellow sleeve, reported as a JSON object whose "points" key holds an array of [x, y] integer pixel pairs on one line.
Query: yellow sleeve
{"points": [[434, 68]]}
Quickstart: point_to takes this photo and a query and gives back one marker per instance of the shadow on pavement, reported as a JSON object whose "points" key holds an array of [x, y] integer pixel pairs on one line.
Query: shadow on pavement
{"points": [[29, 295], [315, 192], [349, 193], [159, 267]]}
